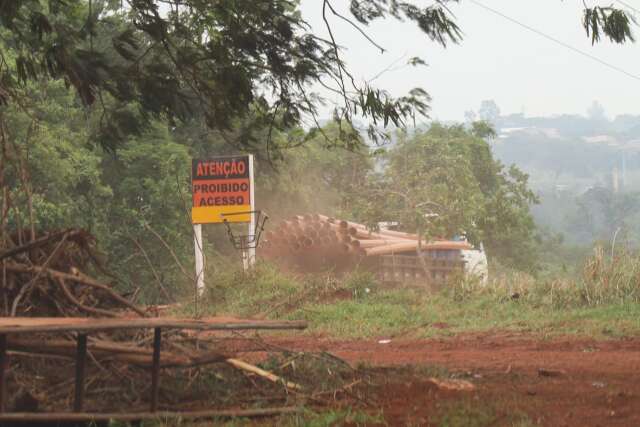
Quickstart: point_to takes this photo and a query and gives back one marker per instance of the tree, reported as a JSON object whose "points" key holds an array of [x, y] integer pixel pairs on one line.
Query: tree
{"points": [[445, 182], [470, 116], [183, 59], [507, 226], [599, 212], [150, 203], [596, 112], [489, 111], [176, 59], [438, 182], [51, 179]]}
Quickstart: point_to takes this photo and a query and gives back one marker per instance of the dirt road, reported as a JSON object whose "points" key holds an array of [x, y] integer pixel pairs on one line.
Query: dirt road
{"points": [[519, 380]]}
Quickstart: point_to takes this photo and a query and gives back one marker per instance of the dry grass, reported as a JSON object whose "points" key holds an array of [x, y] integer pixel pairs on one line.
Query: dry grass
{"points": [[602, 281]]}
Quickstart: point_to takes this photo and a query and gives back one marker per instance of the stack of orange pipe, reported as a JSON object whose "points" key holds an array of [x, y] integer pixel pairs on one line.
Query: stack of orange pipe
{"points": [[314, 242]]}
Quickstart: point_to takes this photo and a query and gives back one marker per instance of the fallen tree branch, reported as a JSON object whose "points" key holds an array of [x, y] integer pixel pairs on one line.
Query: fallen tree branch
{"points": [[38, 242], [74, 300], [27, 287], [239, 364], [153, 270], [86, 280], [171, 251], [78, 277]]}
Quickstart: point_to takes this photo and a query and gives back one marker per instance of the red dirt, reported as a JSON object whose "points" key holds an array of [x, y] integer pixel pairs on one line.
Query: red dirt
{"points": [[582, 382]]}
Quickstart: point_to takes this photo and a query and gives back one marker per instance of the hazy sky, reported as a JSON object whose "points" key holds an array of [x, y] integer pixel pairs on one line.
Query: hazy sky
{"points": [[497, 59]]}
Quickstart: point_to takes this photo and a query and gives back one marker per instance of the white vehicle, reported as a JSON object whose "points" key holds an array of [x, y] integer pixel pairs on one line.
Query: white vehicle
{"points": [[475, 264]]}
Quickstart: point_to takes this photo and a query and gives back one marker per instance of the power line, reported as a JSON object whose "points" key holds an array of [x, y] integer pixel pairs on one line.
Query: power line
{"points": [[557, 41]]}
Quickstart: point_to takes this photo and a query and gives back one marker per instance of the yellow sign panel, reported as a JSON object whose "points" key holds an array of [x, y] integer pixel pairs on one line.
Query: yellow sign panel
{"points": [[222, 189], [213, 214]]}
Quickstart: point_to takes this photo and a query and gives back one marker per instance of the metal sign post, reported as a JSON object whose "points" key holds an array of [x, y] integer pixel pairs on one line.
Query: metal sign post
{"points": [[247, 243], [199, 253], [251, 251]]}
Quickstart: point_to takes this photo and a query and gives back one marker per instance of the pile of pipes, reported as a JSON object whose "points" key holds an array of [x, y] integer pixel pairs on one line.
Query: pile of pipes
{"points": [[316, 242]]}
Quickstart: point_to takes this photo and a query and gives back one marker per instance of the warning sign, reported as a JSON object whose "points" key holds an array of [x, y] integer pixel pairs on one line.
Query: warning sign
{"points": [[222, 188]]}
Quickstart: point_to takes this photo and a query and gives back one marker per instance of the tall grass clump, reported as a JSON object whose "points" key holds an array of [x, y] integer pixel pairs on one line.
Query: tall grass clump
{"points": [[233, 291], [603, 280], [267, 291], [607, 280]]}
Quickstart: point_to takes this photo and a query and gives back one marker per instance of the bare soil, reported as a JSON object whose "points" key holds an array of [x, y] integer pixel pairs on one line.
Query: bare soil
{"points": [[518, 379]]}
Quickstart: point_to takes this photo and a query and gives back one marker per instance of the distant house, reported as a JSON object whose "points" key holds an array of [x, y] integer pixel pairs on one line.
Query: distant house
{"points": [[601, 139], [551, 133]]}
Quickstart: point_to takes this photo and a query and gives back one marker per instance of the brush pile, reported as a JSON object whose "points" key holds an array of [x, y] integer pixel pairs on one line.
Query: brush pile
{"points": [[45, 277], [316, 242]]}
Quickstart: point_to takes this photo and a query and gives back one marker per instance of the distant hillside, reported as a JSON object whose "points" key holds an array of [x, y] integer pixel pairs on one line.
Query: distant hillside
{"points": [[586, 171], [572, 151]]}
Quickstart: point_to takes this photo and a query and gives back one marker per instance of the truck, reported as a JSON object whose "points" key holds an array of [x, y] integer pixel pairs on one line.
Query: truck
{"points": [[441, 260]]}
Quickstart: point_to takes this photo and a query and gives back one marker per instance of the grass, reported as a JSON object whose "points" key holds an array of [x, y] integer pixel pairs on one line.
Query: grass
{"points": [[467, 414], [473, 413], [307, 418], [421, 316], [601, 301]]}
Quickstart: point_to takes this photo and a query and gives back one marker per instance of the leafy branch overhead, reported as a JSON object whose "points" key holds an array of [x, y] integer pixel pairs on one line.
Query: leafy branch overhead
{"points": [[224, 61], [613, 23]]}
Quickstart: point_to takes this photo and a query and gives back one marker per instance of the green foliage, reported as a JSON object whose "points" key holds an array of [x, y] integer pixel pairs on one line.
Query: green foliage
{"points": [[221, 62], [601, 282], [237, 293], [613, 23], [468, 412], [311, 418], [149, 181], [232, 60], [483, 129], [118, 198], [62, 174], [430, 182], [600, 213], [445, 182]]}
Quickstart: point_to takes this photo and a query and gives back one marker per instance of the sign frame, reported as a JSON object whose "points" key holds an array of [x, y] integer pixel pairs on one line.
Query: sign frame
{"points": [[244, 213], [225, 185]]}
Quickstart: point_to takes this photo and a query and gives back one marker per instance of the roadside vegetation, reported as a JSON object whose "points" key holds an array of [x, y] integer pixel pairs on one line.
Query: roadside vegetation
{"points": [[598, 300]]}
